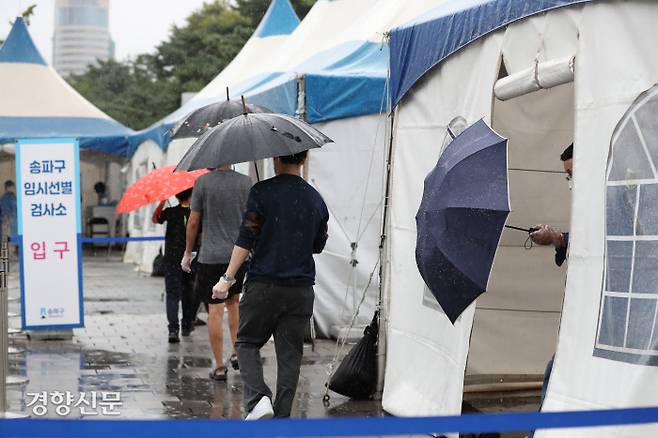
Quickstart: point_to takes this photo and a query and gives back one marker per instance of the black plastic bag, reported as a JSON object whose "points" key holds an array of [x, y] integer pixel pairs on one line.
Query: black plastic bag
{"points": [[356, 377], [158, 265]]}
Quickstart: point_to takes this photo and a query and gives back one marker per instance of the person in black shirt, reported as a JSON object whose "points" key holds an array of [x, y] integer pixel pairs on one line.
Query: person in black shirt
{"points": [[284, 225], [178, 284]]}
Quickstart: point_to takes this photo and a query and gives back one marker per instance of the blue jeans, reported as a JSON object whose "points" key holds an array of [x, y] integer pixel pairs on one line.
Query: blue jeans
{"points": [[544, 387]]}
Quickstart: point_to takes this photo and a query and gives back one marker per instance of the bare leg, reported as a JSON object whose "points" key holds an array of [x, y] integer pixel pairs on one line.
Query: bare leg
{"points": [[233, 306], [216, 332]]}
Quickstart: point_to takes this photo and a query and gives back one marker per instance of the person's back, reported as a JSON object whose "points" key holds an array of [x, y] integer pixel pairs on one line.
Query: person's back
{"points": [[284, 225], [286, 218], [218, 201], [178, 284], [220, 197]]}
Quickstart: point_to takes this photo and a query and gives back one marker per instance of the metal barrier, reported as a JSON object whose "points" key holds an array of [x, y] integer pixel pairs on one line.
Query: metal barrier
{"points": [[5, 378]]}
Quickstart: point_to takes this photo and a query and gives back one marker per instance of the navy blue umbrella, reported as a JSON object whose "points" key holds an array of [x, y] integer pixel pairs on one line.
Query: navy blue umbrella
{"points": [[461, 217]]}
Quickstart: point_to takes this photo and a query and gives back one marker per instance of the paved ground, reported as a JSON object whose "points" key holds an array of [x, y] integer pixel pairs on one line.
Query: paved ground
{"points": [[123, 348]]}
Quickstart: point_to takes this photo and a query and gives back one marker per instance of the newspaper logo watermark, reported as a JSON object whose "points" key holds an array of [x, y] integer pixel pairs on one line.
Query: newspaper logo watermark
{"points": [[63, 403]]}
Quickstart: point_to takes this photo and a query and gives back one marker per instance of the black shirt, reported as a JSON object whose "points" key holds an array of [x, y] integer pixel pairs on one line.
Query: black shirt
{"points": [[284, 225], [176, 218]]}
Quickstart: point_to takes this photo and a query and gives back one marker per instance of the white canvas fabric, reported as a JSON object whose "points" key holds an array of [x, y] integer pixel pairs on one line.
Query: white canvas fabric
{"points": [[253, 59], [348, 175], [606, 356], [318, 31], [616, 63], [139, 221], [33, 90], [426, 354]]}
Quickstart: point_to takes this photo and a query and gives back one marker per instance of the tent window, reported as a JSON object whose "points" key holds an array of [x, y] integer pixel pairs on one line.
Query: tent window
{"points": [[628, 322]]}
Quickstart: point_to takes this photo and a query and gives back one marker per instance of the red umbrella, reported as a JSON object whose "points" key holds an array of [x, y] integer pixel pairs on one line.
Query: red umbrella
{"points": [[157, 185]]}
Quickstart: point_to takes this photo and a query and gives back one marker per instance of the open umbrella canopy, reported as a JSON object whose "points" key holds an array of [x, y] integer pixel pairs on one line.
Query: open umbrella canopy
{"points": [[251, 137], [159, 184], [197, 122], [461, 217]]}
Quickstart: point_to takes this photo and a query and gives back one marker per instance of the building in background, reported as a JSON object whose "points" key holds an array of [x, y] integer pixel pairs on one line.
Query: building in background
{"points": [[82, 35]]}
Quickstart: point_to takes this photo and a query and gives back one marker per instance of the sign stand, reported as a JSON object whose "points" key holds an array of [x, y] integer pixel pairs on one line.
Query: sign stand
{"points": [[48, 198]]}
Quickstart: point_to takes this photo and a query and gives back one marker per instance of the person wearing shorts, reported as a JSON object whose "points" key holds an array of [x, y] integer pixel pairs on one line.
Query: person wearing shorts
{"points": [[218, 202]]}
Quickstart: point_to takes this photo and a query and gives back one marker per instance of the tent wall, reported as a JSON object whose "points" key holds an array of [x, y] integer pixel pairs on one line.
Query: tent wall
{"points": [[426, 354], [348, 175], [139, 221], [616, 63]]}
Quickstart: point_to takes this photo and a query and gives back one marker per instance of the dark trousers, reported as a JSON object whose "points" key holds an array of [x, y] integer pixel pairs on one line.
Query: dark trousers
{"points": [[284, 312], [544, 387], [178, 287]]}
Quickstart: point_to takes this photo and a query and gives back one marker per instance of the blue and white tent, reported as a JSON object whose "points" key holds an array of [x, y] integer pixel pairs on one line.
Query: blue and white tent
{"points": [[543, 74], [332, 71], [37, 103], [153, 146]]}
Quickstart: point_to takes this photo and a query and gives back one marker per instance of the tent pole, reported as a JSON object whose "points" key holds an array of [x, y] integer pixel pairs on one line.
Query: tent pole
{"points": [[383, 266]]}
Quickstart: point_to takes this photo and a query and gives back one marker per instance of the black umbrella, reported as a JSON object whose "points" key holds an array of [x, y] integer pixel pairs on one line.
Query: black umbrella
{"points": [[198, 121], [251, 137], [461, 217]]}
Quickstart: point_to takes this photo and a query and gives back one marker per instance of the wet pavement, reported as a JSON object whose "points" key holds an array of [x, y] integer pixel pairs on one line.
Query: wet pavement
{"points": [[123, 349]]}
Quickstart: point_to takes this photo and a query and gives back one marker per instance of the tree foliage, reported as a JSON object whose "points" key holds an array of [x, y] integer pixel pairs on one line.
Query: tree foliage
{"points": [[129, 92], [142, 91]]}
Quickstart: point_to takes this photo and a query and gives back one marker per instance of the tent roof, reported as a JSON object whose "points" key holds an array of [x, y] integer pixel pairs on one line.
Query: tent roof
{"points": [[280, 19], [424, 42], [37, 103], [277, 24], [341, 52], [19, 46]]}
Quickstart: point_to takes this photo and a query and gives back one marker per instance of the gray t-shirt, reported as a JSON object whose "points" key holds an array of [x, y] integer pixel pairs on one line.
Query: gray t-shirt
{"points": [[220, 197]]}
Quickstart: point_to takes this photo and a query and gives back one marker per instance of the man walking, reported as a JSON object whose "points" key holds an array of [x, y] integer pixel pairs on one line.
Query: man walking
{"points": [[284, 225], [218, 200]]}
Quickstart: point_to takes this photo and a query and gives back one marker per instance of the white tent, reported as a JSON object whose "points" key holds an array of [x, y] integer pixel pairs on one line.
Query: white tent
{"points": [[152, 145], [445, 65], [35, 102], [332, 72]]}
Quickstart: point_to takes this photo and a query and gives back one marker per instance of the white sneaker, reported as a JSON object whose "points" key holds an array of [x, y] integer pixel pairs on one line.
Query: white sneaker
{"points": [[262, 410]]}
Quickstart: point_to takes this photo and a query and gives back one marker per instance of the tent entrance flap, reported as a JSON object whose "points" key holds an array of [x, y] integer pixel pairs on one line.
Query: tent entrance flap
{"points": [[516, 321], [541, 76]]}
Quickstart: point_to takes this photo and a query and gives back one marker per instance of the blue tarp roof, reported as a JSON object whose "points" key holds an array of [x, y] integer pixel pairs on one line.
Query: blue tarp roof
{"points": [[344, 81], [424, 42], [280, 19], [19, 47], [98, 133]]}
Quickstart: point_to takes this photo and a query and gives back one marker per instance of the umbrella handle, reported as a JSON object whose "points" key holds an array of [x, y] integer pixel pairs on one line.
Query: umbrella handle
{"points": [[256, 168], [527, 230]]}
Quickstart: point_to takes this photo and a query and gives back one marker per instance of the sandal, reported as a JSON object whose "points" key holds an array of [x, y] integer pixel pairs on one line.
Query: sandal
{"points": [[233, 360], [219, 377]]}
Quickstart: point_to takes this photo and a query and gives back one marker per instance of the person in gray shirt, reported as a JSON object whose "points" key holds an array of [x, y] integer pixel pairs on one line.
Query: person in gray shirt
{"points": [[218, 202]]}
